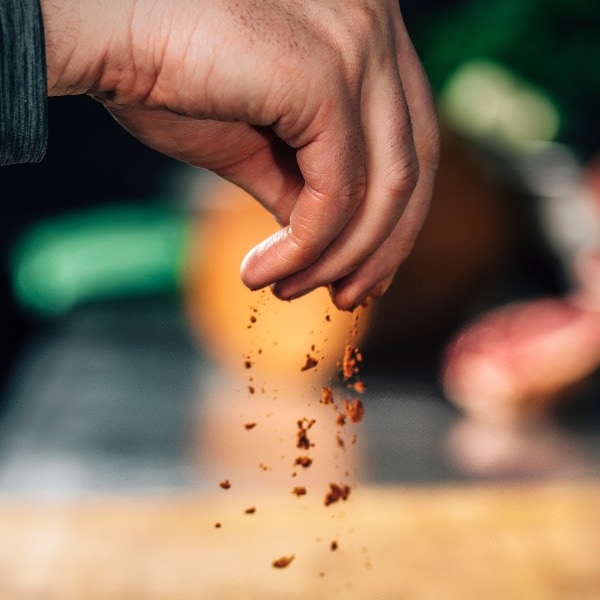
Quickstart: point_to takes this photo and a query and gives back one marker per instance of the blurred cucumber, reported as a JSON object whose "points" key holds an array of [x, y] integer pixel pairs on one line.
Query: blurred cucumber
{"points": [[115, 251]]}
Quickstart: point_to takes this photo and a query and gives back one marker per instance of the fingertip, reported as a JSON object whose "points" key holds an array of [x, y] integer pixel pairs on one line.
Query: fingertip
{"points": [[258, 269], [250, 272], [349, 293], [348, 299], [279, 292]]}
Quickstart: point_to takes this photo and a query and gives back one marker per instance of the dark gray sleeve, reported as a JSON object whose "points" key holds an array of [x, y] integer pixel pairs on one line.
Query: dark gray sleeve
{"points": [[23, 93]]}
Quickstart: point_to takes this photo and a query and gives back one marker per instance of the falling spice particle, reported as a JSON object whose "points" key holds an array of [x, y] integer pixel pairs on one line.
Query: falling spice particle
{"points": [[250, 426], [303, 461], [334, 546], [299, 491], [354, 330], [283, 562], [352, 357], [336, 493], [302, 440], [326, 395], [251, 510], [217, 525], [358, 387], [225, 484], [310, 363], [248, 364], [251, 389], [355, 410]]}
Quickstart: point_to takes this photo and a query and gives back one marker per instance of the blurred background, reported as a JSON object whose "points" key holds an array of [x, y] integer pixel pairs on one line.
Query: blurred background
{"points": [[137, 374], [112, 328], [125, 336]]}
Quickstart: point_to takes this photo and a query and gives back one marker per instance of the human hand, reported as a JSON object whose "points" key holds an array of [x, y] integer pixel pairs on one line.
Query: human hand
{"points": [[321, 111], [516, 361]]}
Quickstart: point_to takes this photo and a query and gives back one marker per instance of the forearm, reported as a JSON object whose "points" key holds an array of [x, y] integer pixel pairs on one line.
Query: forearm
{"points": [[23, 109]]}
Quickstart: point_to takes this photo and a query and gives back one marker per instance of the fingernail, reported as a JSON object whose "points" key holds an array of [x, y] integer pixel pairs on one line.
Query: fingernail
{"points": [[251, 274]]}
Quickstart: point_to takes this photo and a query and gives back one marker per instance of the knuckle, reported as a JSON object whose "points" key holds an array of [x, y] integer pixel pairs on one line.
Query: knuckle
{"points": [[358, 36], [368, 20], [402, 178], [430, 153], [302, 237], [352, 192]]}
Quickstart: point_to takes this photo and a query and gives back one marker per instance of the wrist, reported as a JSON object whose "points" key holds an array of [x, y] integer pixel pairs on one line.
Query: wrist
{"points": [[85, 44]]}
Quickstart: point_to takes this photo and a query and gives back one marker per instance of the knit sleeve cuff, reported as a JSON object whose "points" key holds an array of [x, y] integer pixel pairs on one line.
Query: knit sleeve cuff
{"points": [[23, 86]]}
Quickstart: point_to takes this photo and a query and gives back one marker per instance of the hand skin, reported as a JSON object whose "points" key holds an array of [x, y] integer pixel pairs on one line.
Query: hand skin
{"points": [[319, 109]]}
